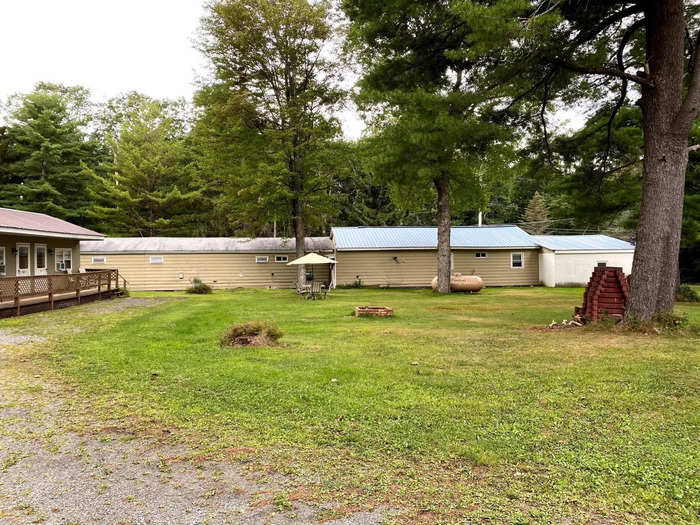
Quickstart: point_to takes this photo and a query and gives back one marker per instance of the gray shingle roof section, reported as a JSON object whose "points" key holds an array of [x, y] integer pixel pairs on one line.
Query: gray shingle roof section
{"points": [[116, 245], [581, 243], [425, 237]]}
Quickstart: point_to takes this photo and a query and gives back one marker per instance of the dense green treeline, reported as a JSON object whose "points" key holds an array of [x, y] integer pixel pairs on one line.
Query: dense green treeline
{"points": [[139, 166], [260, 150], [135, 166]]}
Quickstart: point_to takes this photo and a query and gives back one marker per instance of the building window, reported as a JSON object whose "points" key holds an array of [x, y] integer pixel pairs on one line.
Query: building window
{"points": [[281, 258], [156, 259], [481, 255], [99, 260], [2, 260], [64, 259], [516, 260], [261, 259], [602, 264]]}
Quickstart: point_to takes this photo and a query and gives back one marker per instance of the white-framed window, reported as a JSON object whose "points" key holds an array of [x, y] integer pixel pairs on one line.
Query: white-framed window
{"points": [[64, 259], [98, 259], [281, 258], [261, 259], [2, 261], [481, 255], [156, 259], [517, 260]]}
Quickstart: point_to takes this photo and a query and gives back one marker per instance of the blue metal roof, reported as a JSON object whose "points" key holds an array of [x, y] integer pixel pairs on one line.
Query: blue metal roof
{"points": [[425, 237], [581, 242]]}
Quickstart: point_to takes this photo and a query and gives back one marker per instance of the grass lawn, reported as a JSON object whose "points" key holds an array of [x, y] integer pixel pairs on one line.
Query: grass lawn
{"points": [[457, 408]]}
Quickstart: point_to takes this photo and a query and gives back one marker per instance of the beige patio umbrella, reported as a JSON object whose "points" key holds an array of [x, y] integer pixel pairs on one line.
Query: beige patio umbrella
{"points": [[313, 258]]}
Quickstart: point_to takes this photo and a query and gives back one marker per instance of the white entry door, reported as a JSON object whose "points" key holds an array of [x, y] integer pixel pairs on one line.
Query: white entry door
{"points": [[23, 260], [40, 263]]}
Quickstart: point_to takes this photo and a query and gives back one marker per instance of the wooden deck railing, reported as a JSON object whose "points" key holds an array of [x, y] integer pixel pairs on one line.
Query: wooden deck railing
{"points": [[18, 288]]}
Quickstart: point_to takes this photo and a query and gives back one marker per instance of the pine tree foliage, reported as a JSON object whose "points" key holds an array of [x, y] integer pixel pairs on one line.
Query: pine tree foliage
{"points": [[602, 54], [435, 133], [276, 87], [536, 216], [150, 188], [46, 153]]}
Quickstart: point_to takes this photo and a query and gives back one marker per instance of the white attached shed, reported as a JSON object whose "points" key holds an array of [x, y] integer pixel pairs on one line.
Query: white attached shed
{"points": [[569, 260]]}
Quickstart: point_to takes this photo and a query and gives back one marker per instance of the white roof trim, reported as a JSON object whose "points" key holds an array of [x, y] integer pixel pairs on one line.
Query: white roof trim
{"points": [[40, 233], [434, 248], [190, 252], [592, 251]]}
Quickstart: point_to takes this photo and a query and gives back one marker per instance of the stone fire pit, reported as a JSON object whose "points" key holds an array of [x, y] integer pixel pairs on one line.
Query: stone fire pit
{"points": [[373, 311]]}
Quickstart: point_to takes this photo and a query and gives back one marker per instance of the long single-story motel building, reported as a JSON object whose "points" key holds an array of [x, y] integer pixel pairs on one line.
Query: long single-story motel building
{"points": [[502, 255], [170, 263], [407, 256]]}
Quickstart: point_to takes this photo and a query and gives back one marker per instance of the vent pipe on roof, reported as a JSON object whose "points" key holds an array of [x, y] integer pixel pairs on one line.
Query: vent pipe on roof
{"points": [[481, 217]]}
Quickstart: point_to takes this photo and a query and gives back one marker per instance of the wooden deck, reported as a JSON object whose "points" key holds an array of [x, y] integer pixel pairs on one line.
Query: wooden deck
{"points": [[23, 295]]}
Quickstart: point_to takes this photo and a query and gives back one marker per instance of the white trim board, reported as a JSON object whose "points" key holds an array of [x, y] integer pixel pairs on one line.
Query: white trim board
{"points": [[39, 233], [455, 248]]}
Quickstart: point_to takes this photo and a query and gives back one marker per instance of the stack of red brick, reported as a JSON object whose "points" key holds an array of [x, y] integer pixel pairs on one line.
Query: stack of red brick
{"points": [[605, 295], [376, 311]]}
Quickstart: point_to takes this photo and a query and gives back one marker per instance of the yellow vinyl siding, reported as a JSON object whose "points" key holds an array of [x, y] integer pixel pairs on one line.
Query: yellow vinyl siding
{"points": [[220, 270], [412, 268], [495, 268], [416, 268]]}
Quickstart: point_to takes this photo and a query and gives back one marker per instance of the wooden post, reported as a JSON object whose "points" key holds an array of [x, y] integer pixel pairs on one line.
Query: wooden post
{"points": [[17, 303], [109, 281], [99, 285], [50, 287]]}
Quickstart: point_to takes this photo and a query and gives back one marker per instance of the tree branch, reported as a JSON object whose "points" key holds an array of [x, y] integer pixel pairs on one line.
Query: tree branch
{"points": [[583, 37], [623, 91], [694, 147], [621, 167], [545, 97], [691, 105], [608, 71]]}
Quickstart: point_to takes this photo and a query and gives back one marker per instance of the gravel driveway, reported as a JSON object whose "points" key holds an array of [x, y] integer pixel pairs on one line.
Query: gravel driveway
{"points": [[49, 474]]}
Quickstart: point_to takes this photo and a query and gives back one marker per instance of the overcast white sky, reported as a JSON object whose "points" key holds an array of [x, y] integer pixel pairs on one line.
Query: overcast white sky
{"points": [[108, 46]]}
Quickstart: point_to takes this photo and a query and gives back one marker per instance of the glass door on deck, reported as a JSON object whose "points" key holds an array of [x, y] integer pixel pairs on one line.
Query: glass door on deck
{"points": [[40, 259], [23, 260]]}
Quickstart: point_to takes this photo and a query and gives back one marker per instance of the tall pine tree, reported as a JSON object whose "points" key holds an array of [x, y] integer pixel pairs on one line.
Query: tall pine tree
{"points": [[536, 216], [275, 86], [435, 130], [601, 53], [46, 153], [149, 188]]}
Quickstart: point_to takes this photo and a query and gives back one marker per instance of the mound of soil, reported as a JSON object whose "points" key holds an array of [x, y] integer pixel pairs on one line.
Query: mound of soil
{"points": [[256, 333], [255, 340]]}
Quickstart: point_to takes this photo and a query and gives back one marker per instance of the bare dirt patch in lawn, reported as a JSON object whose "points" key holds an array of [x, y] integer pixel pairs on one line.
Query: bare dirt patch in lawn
{"points": [[122, 303], [8, 338]]}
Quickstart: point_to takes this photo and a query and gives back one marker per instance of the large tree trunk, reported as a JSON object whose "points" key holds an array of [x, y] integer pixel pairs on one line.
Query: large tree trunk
{"points": [[666, 128], [442, 185], [300, 239]]}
